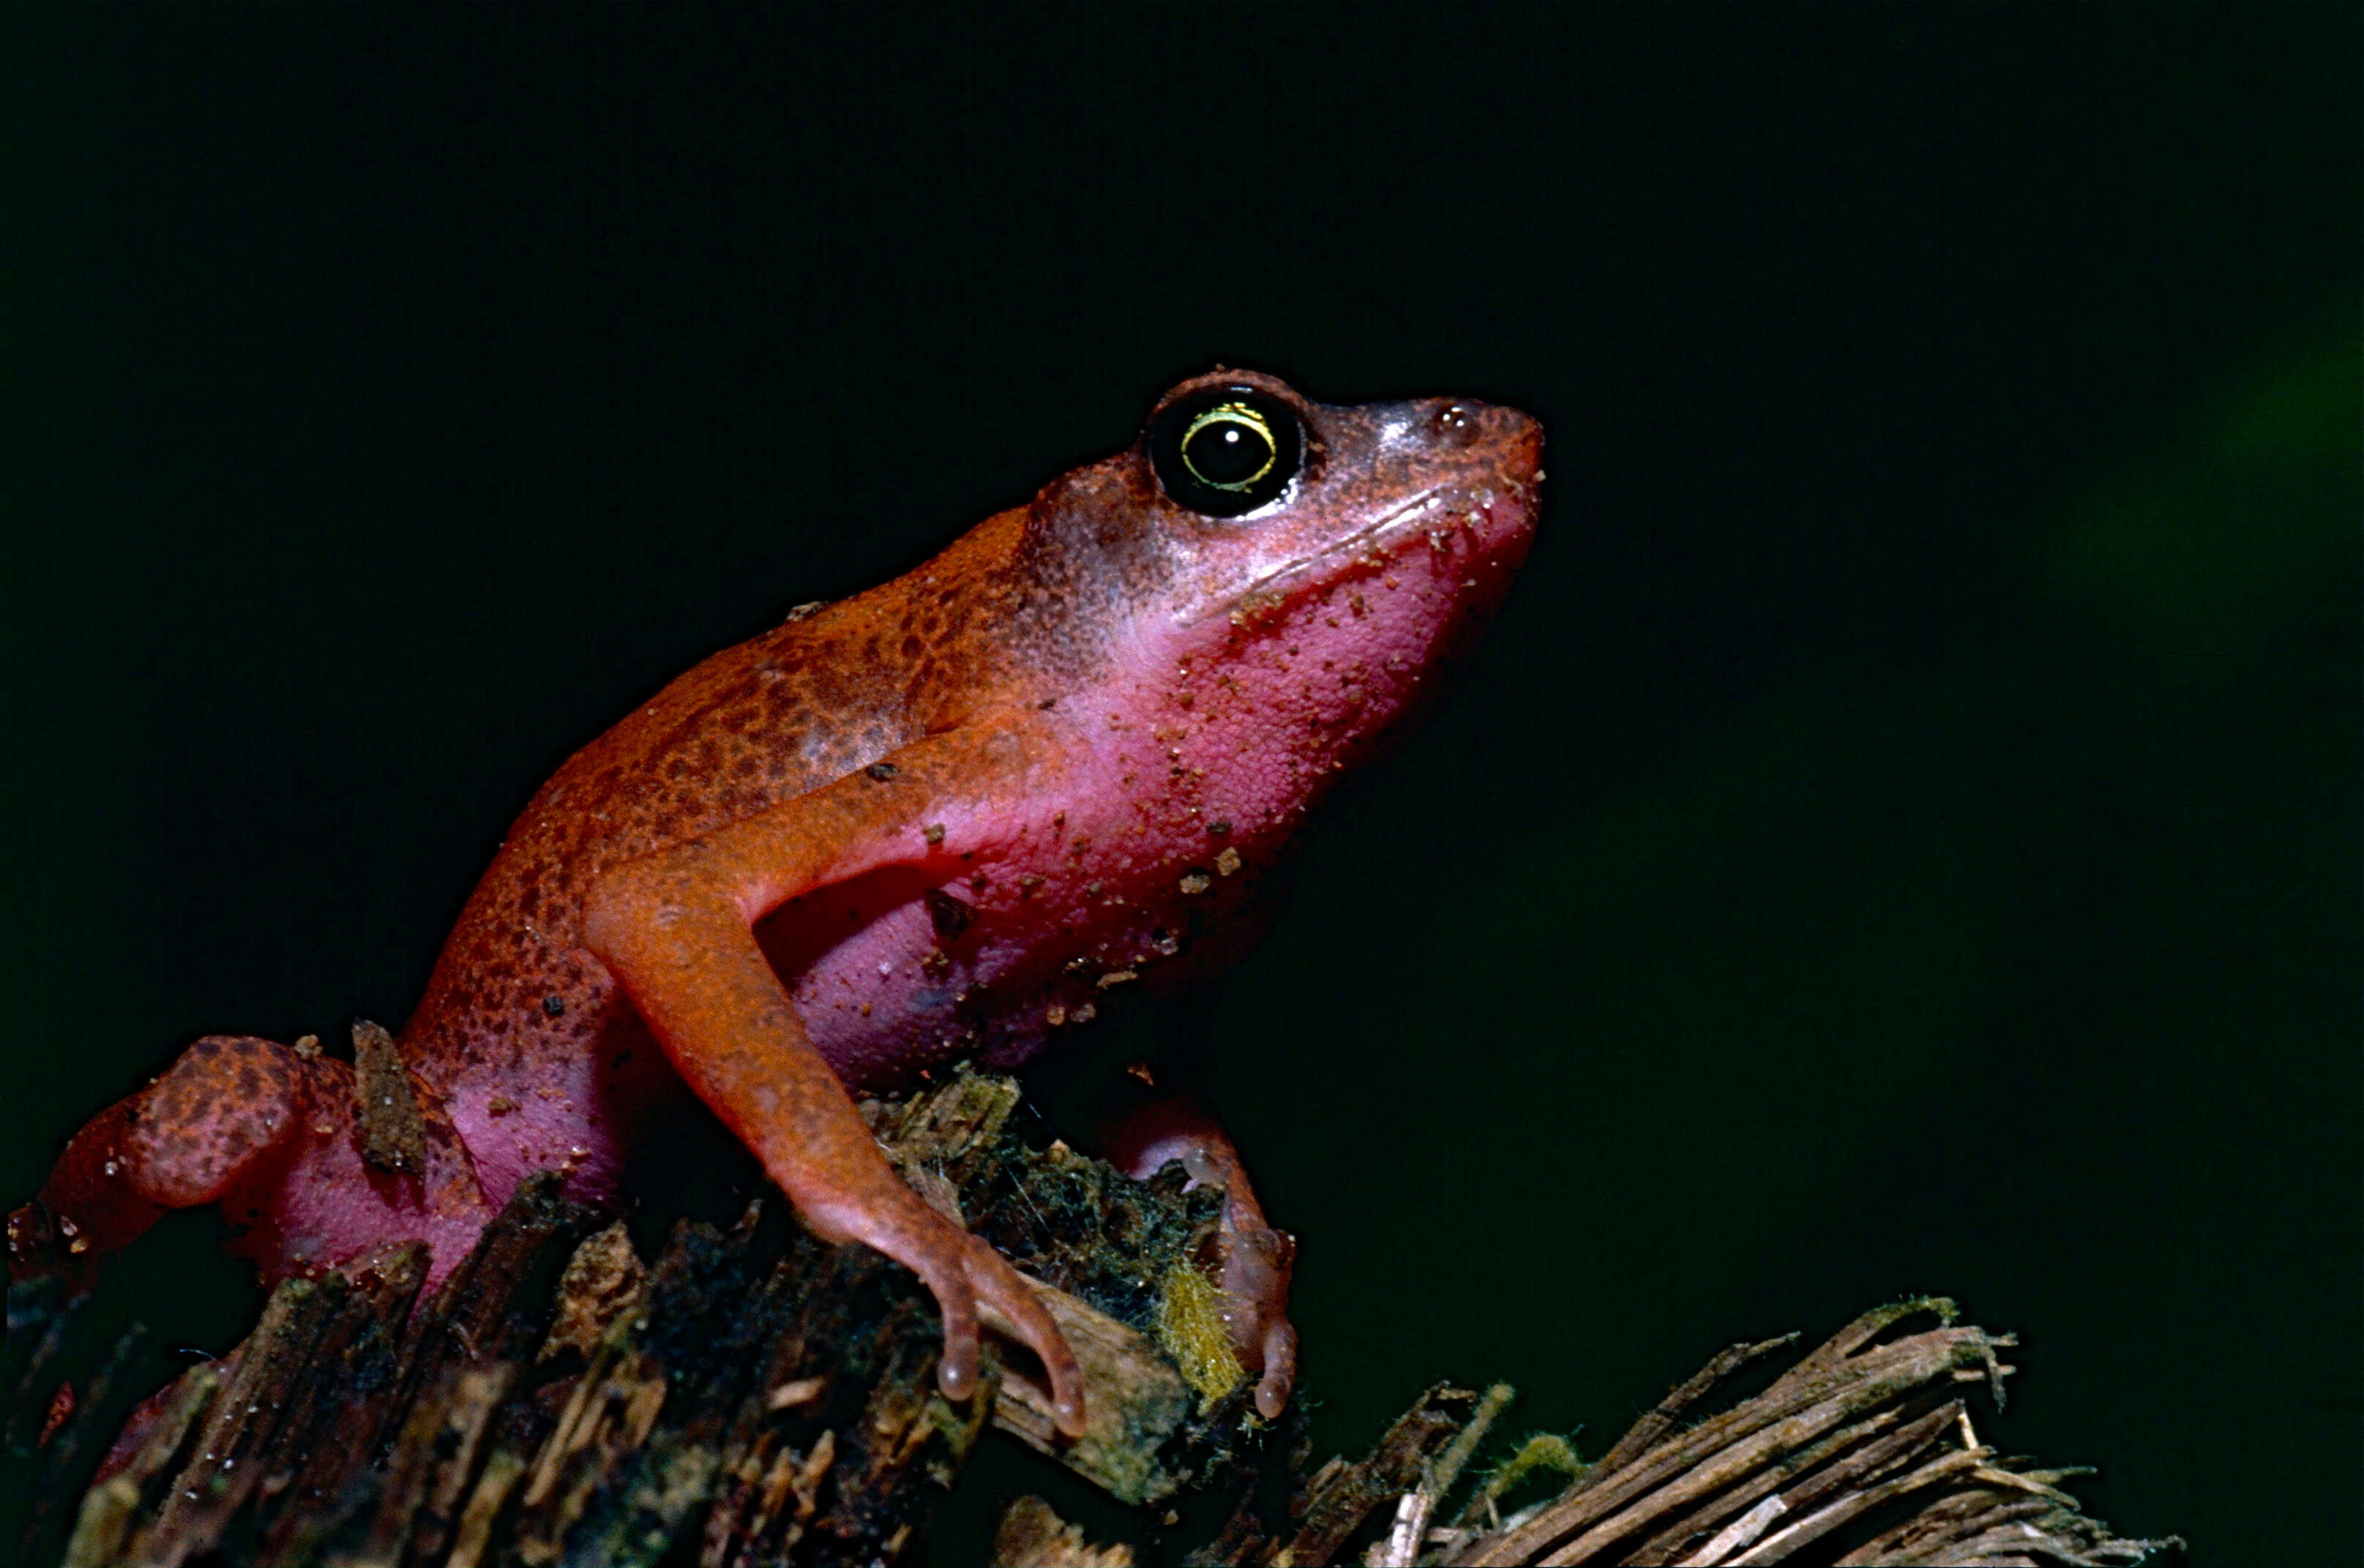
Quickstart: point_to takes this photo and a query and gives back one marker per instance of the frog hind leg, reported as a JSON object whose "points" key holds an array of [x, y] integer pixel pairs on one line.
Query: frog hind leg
{"points": [[1254, 1262], [220, 1116]]}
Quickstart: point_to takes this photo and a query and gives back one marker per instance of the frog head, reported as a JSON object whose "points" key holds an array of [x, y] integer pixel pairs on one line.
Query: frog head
{"points": [[1276, 580]]}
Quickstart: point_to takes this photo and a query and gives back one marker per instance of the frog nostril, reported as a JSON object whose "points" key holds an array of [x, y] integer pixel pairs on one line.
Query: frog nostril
{"points": [[1455, 423]]}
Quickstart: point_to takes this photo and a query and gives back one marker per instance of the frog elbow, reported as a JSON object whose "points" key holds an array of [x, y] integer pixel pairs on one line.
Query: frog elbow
{"points": [[677, 900], [627, 902], [606, 913]]}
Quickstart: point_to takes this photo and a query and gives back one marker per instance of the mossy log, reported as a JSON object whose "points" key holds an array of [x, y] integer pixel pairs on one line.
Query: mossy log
{"points": [[754, 1396]]}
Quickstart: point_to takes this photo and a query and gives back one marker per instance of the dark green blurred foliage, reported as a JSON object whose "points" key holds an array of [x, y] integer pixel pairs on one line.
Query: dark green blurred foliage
{"points": [[2252, 533]]}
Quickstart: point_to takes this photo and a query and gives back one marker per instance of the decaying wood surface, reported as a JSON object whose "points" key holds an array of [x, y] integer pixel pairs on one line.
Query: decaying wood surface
{"points": [[751, 1395]]}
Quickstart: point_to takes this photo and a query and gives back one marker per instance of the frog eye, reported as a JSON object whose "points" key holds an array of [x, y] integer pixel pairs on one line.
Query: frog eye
{"points": [[1226, 450]]}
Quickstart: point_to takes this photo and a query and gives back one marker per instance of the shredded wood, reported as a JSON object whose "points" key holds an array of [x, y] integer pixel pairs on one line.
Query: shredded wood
{"points": [[1861, 1452]]}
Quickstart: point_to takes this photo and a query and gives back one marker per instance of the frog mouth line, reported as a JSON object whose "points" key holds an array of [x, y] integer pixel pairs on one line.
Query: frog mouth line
{"points": [[1385, 530]]}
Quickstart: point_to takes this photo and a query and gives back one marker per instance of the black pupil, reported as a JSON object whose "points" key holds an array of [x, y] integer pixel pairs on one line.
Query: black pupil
{"points": [[1228, 452]]}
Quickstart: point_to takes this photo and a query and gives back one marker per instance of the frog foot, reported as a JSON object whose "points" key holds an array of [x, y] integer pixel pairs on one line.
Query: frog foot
{"points": [[969, 1280], [1253, 1262], [1256, 1265]]}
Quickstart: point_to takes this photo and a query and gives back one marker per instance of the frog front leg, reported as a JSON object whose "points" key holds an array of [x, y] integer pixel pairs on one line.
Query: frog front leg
{"points": [[675, 928]]}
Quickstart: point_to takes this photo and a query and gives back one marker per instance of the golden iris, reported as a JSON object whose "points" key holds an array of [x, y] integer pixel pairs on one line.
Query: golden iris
{"points": [[1217, 441]]}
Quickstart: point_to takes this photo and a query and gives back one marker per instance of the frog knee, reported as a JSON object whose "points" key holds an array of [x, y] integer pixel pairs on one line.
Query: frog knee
{"points": [[213, 1117]]}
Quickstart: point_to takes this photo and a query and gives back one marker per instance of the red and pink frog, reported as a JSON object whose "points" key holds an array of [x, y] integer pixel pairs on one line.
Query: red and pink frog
{"points": [[932, 822]]}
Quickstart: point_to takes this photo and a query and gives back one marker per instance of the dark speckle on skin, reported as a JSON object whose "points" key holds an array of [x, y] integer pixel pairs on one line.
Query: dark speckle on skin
{"points": [[949, 914]]}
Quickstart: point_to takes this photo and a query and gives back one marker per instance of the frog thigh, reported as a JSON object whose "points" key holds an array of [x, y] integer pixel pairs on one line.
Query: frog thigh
{"points": [[216, 1114], [215, 1117]]}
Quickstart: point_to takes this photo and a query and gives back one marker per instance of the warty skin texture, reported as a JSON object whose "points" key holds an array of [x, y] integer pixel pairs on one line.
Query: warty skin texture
{"points": [[946, 818]]}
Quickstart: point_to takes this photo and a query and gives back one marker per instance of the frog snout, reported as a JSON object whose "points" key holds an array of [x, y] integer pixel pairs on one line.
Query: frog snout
{"points": [[1523, 435], [1490, 441], [1502, 461], [1462, 424]]}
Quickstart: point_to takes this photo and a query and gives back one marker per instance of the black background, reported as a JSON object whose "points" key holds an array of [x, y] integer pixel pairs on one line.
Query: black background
{"points": [[1902, 834]]}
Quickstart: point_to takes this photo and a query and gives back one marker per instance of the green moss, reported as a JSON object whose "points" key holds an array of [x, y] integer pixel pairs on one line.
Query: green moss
{"points": [[1190, 1328], [1544, 1451]]}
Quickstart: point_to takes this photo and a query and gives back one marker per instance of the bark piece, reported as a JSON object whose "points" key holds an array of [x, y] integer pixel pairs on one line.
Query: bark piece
{"points": [[355, 1367], [1345, 1494], [1032, 1536], [604, 1280], [214, 1487], [111, 1510], [1135, 1403], [393, 1132]]}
